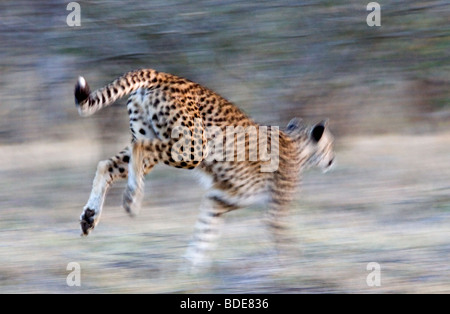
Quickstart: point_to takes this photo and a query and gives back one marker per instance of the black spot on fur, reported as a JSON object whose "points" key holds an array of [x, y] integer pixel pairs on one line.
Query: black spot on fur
{"points": [[142, 131]]}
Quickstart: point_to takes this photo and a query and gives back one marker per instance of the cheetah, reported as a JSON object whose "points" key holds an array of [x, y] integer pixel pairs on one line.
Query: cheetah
{"points": [[183, 124]]}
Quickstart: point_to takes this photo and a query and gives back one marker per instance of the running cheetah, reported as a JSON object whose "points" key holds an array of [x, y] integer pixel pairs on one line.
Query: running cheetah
{"points": [[185, 125]]}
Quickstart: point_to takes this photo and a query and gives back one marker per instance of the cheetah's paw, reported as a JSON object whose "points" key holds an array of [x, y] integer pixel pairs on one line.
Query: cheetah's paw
{"points": [[88, 221]]}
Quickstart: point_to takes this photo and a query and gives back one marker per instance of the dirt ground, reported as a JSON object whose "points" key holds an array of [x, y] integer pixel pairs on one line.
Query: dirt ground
{"points": [[387, 201]]}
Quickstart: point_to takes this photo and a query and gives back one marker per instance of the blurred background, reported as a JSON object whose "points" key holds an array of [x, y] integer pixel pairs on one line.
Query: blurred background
{"points": [[385, 90]]}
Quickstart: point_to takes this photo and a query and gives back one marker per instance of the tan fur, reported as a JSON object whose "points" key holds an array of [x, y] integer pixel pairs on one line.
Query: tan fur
{"points": [[161, 103]]}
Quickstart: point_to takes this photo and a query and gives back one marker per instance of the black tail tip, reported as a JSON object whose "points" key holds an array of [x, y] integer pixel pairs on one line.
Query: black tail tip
{"points": [[82, 91]]}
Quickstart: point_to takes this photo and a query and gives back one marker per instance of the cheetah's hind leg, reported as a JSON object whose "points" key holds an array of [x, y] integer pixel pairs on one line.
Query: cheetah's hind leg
{"points": [[134, 192], [108, 172], [145, 155]]}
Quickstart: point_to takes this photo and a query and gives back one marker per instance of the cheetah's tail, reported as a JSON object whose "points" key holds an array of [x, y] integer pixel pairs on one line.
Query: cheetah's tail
{"points": [[89, 102]]}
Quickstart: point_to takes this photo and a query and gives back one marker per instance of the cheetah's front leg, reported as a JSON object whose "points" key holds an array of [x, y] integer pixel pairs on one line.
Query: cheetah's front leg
{"points": [[279, 223], [207, 229], [108, 171]]}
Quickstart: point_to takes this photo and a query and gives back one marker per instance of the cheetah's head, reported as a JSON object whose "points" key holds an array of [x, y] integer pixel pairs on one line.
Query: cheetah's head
{"points": [[315, 143]]}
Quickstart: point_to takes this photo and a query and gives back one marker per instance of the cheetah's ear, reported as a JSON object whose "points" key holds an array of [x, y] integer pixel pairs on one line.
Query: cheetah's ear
{"points": [[318, 130], [294, 124]]}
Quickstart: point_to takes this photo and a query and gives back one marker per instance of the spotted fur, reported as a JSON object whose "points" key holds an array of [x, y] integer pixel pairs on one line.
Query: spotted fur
{"points": [[159, 103]]}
